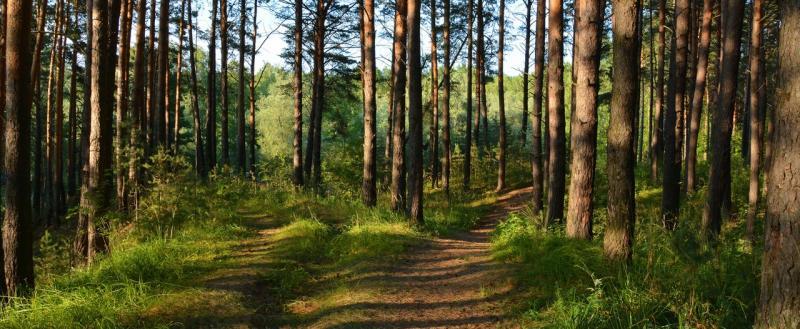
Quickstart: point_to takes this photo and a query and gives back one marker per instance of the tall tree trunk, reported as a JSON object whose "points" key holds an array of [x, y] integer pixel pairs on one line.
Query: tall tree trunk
{"points": [[151, 82], [176, 124], [720, 168], [434, 129], [80, 245], [122, 104], [368, 188], [297, 145], [479, 79], [779, 305], [657, 145], [468, 138], [211, 104], [415, 177], [50, 117], [253, 145], [756, 116], [555, 104], [138, 115], [223, 83], [162, 79], [99, 191], [538, 97], [59, 205], [17, 223], [618, 240], [583, 131], [199, 152], [501, 156], [446, 142], [241, 153], [72, 160], [699, 94], [673, 117], [399, 100], [314, 160], [37, 99], [526, 68]]}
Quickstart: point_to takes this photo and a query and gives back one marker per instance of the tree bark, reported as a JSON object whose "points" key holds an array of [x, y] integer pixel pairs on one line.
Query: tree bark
{"points": [[468, 138], [501, 108], [297, 144], [446, 129], [480, 54], [72, 160], [620, 168], [583, 132], [17, 237], [779, 305], [656, 144], [556, 125], [241, 153], [434, 129], [756, 116], [138, 116], [537, 169], [225, 158], [199, 154], [415, 177], [699, 94], [176, 124], [720, 168], [253, 136], [211, 108], [162, 81], [368, 188], [37, 99], [673, 117], [122, 104], [399, 99]]}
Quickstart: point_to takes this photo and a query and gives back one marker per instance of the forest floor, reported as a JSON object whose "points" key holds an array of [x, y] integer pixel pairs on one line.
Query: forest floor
{"points": [[437, 282]]}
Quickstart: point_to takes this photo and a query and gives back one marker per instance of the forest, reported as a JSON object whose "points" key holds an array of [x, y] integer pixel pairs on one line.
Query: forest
{"points": [[400, 164]]}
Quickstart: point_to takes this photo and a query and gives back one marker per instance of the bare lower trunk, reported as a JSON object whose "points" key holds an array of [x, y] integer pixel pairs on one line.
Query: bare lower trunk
{"points": [[446, 129], [469, 137], [557, 140], [297, 144], [698, 96], [225, 158], [369, 192], [398, 198], [538, 85], [501, 108], [658, 120], [756, 117]]}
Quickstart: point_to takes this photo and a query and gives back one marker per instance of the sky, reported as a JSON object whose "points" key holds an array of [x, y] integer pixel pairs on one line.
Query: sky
{"points": [[274, 44]]}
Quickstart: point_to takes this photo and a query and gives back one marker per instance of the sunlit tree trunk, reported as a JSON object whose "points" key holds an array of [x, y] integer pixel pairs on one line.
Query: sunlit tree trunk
{"points": [[501, 156], [241, 153], [253, 135], [415, 177], [199, 152], [120, 142], [162, 78], [446, 129], [538, 169], [468, 138], [17, 237], [41, 15], [368, 188], [656, 145], [434, 128], [720, 168], [698, 96], [176, 122], [618, 240], [779, 305], [398, 198], [756, 116], [556, 125], [138, 115], [225, 158], [211, 88], [297, 144]]}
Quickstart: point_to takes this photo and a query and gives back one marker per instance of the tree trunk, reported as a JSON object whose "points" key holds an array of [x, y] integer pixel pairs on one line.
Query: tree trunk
{"points": [[313, 158], [756, 118], [253, 144], [618, 240], [176, 124], [47, 207], [699, 94], [162, 79], [81, 243], [138, 116], [656, 145], [122, 103], [555, 85], [151, 82], [720, 167], [99, 191], [223, 83], [199, 154], [446, 142], [538, 97], [211, 105], [779, 305], [415, 177], [501, 170], [673, 130], [468, 138], [368, 188], [37, 99], [480, 54], [59, 202], [434, 129], [72, 160], [241, 154], [399, 99], [17, 237], [583, 131], [297, 144]]}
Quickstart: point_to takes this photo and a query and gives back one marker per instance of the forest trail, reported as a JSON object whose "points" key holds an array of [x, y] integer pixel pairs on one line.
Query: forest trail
{"points": [[446, 282]]}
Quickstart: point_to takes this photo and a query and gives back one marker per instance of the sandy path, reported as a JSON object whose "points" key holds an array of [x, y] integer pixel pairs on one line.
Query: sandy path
{"points": [[444, 283]]}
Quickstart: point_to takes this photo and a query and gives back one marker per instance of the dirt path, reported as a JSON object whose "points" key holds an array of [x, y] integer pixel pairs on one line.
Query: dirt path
{"points": [[445, 283]]}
